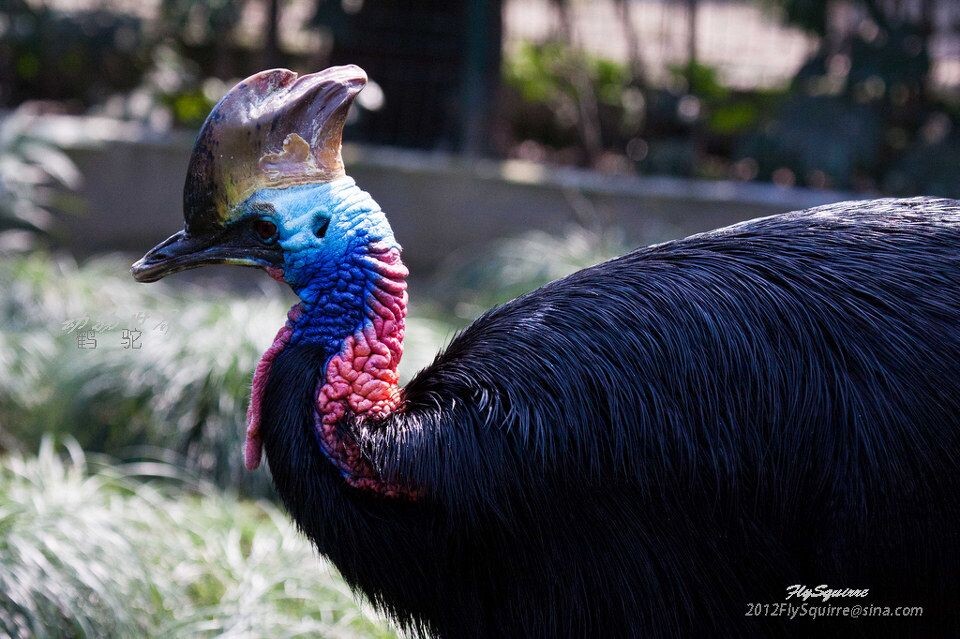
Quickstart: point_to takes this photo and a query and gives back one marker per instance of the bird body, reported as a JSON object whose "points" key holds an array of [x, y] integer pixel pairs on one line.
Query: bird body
{"points": [[647, 445], [642, 448]]}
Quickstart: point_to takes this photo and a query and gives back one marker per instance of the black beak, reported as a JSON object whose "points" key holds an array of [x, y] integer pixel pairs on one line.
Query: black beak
{"points": [[182, 251]]}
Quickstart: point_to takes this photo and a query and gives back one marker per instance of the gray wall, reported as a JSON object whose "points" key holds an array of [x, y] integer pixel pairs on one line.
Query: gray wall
{"points": [[439, 205]]}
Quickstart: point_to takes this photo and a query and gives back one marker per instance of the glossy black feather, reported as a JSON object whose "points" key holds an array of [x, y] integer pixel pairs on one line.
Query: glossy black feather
{"points": [[644, 447]]}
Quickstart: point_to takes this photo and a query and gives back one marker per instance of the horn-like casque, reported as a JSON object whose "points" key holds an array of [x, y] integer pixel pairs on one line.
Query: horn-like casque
{"points": [[273, 129]]}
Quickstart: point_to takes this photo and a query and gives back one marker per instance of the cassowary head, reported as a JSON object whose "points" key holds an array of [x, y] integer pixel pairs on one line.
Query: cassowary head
{"points": [[266, 185], [266, 188]]}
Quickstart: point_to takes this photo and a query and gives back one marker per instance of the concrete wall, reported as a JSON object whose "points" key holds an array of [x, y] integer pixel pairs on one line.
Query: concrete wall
{"points": [[437, 204]]}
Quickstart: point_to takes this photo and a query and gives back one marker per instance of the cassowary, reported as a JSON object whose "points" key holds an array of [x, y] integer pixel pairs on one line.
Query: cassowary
{"points": [[643, 448]]}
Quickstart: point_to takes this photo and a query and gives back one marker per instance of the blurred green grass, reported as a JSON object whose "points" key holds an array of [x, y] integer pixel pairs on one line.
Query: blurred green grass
{"points": [[140, 550]]}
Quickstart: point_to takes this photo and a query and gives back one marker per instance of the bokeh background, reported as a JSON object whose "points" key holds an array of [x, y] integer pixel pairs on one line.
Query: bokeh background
{"points": [[510, 142]]}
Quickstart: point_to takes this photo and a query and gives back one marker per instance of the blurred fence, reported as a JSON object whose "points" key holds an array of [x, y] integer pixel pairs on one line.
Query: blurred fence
{"points": [[842, 94], [747, 45], [436, 61], [744, 40]]}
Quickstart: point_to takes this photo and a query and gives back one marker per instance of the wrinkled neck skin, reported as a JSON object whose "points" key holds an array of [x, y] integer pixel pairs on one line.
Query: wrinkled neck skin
{"points": [[352, 287]]}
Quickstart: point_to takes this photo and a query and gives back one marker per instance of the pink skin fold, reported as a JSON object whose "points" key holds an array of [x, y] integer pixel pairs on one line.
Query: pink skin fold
{"points": [[253, 446]]}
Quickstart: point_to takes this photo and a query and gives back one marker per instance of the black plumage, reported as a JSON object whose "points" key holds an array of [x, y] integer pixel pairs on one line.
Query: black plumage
{"points": [[648, 445]]}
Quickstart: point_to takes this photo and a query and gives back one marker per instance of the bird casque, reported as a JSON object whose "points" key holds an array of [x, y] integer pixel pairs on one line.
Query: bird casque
{"points": [[642, 448]]}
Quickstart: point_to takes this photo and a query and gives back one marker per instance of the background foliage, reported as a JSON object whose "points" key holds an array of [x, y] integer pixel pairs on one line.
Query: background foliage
{"points": [[860, 114], [95, 550]]}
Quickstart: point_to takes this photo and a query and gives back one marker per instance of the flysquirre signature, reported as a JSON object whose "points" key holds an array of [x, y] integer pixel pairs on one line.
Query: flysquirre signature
{"points": [[823, 591]]}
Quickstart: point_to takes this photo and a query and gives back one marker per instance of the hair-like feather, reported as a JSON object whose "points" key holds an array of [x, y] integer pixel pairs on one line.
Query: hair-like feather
{"points": [[645, 446]]}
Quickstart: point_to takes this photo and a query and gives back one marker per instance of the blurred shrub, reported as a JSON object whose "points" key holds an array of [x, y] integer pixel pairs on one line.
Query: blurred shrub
{"points": [[135, 551], [193, 23], [185, 390], [189, 107], [666, 129], [78, 55], [103, 56], [859, 112], [197, 49], [857, 116], [817, 135], [35, 178], [930, 165], [549, 79], [173, 92], [509, 268], [717, 108], [542, 73], [810, 15]]}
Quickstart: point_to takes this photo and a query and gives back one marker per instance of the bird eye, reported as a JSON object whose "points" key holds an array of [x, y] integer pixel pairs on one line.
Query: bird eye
{"points": [[321, 228], [265, 230]]}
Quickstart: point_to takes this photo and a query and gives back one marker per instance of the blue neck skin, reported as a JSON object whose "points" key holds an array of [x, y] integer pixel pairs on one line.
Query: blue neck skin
{"points": [[325, 231]]}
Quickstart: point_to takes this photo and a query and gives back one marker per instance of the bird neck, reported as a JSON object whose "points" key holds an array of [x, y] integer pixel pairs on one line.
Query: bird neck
{"points": [[357, 321]]}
